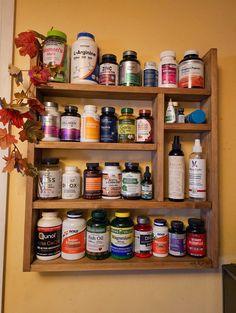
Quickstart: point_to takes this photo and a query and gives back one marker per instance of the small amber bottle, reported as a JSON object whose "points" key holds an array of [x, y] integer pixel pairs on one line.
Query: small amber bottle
{"points": [[92, 181]]}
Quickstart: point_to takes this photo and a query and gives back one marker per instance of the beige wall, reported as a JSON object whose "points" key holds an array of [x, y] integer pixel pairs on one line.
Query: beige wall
{"points": [[148, 27]]}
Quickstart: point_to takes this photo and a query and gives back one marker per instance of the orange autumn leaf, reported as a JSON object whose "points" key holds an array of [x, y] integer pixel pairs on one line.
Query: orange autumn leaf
{"points": [[10, 163], [6, 140]]}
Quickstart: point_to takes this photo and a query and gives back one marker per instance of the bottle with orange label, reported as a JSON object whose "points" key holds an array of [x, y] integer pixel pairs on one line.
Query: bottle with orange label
{"points": [[92, 182], [73, 236], [90, 124], [160, 242]]}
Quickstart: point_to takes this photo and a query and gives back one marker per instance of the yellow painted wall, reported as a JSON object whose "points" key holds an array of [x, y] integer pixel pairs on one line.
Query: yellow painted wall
{"points": [[148, 27]]}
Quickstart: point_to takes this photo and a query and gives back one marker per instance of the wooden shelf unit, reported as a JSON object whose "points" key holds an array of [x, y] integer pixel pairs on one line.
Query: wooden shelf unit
{"points": [[157, 99]]}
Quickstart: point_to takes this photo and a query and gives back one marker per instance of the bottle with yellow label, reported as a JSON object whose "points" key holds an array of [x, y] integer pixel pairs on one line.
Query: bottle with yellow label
{"points": [[90, 124], [126, 126]]}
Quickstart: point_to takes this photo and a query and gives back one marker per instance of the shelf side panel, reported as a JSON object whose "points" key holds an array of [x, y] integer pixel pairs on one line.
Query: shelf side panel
{"points": [[160, 146]]}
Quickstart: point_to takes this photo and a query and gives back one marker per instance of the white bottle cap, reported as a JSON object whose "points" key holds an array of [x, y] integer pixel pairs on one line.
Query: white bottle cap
{"points": [[90, 107], [197, 146], [150, 65], [188, 52], [175, 104], [71, 168], [49, 214], [167, 53]]}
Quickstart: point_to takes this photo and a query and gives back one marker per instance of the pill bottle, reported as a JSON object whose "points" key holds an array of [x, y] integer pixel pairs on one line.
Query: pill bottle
{"points": [[168, 70], [70, 124], [160, 238], [73, 236], [143, 237], [150, 74], [71, 183], [177, 239], [131, 181], [109, 70], [191, 70], [108, 125], [49, 179], [48, 239], [111, 181], [84, 60], [98, 236], [196, 237], [130, 70], [55, 55], [90, 124], [144, 127], [126, 126], [51, 122], [122, 236], [92, 182]]}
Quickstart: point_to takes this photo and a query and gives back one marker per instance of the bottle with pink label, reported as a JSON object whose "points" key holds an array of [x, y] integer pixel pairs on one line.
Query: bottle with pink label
{"points": [[168, 70]]}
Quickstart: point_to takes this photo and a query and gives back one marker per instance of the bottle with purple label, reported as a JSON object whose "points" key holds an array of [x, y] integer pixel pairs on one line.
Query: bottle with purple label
{"points": [[51, 122], [177, 239], [70, 124]]}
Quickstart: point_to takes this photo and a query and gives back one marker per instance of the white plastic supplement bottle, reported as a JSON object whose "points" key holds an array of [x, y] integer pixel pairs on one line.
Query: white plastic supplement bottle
{"points": [[71, 183], [111, 181], [160, 244], [168, 70], [73, 236], [90, 124], [84, 60], [48, 246]]}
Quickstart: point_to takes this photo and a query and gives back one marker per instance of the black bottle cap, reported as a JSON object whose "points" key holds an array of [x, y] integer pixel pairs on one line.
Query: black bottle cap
{"points": [[177, 225], [130, 53], [99, 214], [195, 222], [160, 222], [176, 143], [92, 165], [74, 214], [131, 165], [108, 110], [50, 161], [147, 173], [108, 57], [71, 108], [112, 164]]}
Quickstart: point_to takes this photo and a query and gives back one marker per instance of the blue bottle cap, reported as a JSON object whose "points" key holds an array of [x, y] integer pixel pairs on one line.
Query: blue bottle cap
{"points": [[85, 34]]}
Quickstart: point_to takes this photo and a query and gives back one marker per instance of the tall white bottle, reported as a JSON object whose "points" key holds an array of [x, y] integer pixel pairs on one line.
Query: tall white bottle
{"points": [[170, 113]]}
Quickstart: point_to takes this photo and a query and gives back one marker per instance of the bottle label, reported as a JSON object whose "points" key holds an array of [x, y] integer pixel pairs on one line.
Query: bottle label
{"points": [[73, 240], [91, 128], [191, 74], [160, 241], [111, 185], [197, 178], [126, 130], [176, 177], [48, 240], [130, 74], [170, 115], [93, 185], [70, 128], [49, 184], [196, 244], [177, 244], [169, 74], [70, 186], [122, 241], [143, 242], [146, 192], [98, 242], [51, 125], [150, 78], [108, 127], [144, 130], [108, 74], [131, 184]]}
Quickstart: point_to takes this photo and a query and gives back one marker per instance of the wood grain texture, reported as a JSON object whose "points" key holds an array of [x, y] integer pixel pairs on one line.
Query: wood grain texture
{"points": [[160, 146], [187, 128]]}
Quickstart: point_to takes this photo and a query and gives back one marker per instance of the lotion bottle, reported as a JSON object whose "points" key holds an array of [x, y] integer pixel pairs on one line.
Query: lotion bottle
{"points": [[170, 113]]}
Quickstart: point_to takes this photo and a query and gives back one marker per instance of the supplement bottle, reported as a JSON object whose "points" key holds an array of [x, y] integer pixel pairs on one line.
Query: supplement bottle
{"points": [[146, 185], [109, 70], [160, 244], [71, 183], [143, 237], [144, 127], [150, 74], [49, 179], [197, 173], [130, 71], [191, 70], [70, 124], [73, 236], [168, 70], [126, 126], [92, 182], [122, 236], [181, 116], [98, 236], [51, 122], [177, 239], [111, 181], [108, 125], [48, 242], [90, 124], [55, 55], [176, 171], [196, 117], [131, 181], [196, 238], [170, 117], [84, 60]]}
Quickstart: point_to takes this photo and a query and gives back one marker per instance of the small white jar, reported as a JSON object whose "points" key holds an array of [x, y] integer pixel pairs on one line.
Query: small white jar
{"points": [[73, 236], [168, 70], [51, 122], [71, 183], [90, 124], [111, 181]]}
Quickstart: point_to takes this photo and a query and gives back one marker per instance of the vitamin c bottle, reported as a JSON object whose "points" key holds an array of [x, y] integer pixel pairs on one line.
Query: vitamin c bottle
{"points": [[144, 127], [160, 238], [92, 182], [130, 71], [71, 183], [109, 71], [90, 124], [111, 181], [131, 181], [108, 125], [51, 122], [196, 238], [168, 70], [70, 124], [126, 126], [177, 239], [143, 237]]}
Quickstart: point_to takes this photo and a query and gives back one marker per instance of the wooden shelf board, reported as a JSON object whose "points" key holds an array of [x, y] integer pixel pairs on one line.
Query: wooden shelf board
{"points": [[187, 127], [119, 204], [152, 263]]}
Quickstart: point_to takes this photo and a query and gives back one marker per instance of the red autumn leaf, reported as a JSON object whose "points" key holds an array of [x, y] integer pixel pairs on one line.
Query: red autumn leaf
{"points": [[27, 43], [39, 76], [6, 139], [14, 116], [10, 163], [36, 106]]}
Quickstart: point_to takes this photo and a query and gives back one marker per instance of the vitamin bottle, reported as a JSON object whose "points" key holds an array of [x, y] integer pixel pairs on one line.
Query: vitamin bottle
{"points": [[90, 124], [71, 183], [92, 181], [191, 70], [146, 185], [51, 122], [111, 181], [196, 117], [70, 124], [73, 236], [84, 60], [196, 237], [122, 236], [176, 172], [181, 116], [150, 74], [143, 237], [109, 70], [170, 117], [168, 70], [49, 179], [144, 127], [98, 236], [108, 125], [48, 242], [131, 181], [130, 71], [126, 126], [55, 55], [160, 244], [197, 172], [177, 239]]}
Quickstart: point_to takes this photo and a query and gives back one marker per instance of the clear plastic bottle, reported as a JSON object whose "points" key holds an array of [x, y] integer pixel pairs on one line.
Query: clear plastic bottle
{"points": [[51, 122], [168, 70], [71, 183], [90, 124]]}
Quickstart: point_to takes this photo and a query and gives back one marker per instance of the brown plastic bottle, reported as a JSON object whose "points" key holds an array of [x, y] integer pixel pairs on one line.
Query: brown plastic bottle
{"points": [[92, 182]]}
